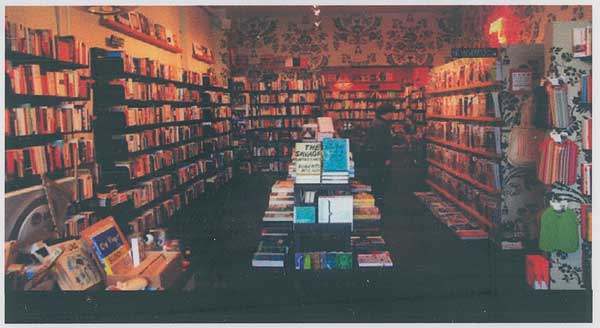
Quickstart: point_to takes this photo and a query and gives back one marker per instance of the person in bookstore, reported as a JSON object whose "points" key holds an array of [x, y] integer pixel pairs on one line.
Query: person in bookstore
{"points": [[379, 149]]}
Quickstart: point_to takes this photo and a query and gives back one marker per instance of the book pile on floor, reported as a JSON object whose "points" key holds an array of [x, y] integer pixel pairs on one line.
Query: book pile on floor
{"points": [[463, 227]]}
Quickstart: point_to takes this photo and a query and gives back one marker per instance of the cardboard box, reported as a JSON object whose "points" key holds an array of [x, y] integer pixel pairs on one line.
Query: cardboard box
{"points": [[162, 269], [75, 268]]}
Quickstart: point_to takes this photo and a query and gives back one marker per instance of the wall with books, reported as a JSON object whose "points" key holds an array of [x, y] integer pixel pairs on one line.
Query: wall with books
{"points": [[189, 24]]}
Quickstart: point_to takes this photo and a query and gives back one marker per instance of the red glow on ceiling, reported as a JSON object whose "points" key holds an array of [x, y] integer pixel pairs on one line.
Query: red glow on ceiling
{"points": [[503, 27]]}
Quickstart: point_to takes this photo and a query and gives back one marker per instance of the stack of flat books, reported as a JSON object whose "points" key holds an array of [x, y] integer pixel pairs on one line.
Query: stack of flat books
{"points": [[336, 161], [270, 253], [325, 128], [281, 202], [364, 207], [375, 259]]}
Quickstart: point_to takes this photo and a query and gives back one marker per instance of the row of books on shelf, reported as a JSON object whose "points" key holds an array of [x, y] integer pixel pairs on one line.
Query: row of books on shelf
{"points": [[137, 116], [362, 105], [284, 97], [54, 156], [582, 41], [156, 216], [264, 164], [43, 43], [85, 185], [145, 91], [28, 79], [162, 136], [418, 117], [270, 136], [145, 164], [286, 84], [155, 69], [217, 128], [362, 115], [462, 73], [217, 112], [219, 97], [76, 223], [488, 206], [559, 115], [586, 88], [486, 138], [282, 110], [146, 25], [452, 217], [485, 104], [66, 117], [480, 169], [363, 95], [282, 150], [275, 123]]}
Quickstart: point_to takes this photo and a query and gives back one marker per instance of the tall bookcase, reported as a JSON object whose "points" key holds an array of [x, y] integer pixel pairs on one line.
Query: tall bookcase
{"points": [[470, 113], [163, 136], [48, 126], [278, 109]]}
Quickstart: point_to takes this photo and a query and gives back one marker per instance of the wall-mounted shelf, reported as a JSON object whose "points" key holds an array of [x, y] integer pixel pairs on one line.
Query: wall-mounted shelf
{"points": [[139, 35], [465, 177], [18, 58], [465, 148], [205, 59], [471, 87], [460, 204]]}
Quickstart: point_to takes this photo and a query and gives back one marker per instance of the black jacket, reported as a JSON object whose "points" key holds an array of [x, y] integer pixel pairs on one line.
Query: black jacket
{"points": [[379, 139]]}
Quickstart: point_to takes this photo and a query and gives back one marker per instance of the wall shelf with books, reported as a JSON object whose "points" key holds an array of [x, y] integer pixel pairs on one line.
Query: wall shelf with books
{"points": [[465, 118], [467, 88], [466, 149], [465, 177], [470, 210], [134, 33], [19, 58]]}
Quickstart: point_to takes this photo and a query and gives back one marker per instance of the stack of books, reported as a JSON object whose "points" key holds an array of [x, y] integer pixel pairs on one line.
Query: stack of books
{"points": [[336, 161], [270, 253], [307, 160], [375, 260], [364, 207], [281, 202]]}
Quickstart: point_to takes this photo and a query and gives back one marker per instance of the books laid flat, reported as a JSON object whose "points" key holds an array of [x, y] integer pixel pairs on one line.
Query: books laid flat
{"points": [[335, 209], [369, 243], [283, 186], [336, 155], [358, 187], [363, 199], [275, 232], [375, 259], [266, 260], [279, 216], [304, 214], [367, 213]]}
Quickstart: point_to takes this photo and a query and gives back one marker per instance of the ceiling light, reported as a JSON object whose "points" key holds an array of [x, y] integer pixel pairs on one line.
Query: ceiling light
{"points": [[109, 10]]}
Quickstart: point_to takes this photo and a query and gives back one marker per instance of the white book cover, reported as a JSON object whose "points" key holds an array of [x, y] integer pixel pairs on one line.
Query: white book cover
{"points": [[335, 209]]}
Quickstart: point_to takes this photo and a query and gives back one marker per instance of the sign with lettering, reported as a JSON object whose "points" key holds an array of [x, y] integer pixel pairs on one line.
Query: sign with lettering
{"points": [[308, 158], [474, 52]]}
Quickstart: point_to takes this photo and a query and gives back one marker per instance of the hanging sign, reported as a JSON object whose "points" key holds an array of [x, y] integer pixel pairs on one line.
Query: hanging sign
{"points": [[474, 52]]}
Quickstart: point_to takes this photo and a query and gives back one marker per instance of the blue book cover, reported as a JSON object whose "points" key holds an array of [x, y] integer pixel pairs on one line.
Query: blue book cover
{"points": [[299, 260], [305, 214], [323, 260], [330, 261], [335, 155]]}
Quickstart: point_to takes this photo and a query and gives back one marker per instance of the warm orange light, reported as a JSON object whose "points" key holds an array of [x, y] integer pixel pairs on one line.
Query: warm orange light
{"points": [[497, 27]]}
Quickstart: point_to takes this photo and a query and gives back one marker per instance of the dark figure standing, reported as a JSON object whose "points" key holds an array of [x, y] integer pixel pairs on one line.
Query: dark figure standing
{"points": [[380, 149]]}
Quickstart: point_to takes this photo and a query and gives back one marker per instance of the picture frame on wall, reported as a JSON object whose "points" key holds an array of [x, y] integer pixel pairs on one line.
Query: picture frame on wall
{"points": [[521, 80]]}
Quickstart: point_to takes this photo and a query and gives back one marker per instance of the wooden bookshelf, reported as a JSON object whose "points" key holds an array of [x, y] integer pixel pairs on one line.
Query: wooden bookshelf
{"points": [[486, 119], [113, 25], [15, 142], [286, 103], [470, 210], [465, 177], [15, 99], [467, 88], [465, 148]]}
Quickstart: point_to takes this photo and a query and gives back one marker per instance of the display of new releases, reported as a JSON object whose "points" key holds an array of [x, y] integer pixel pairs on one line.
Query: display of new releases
{"points": [[308, 162]]}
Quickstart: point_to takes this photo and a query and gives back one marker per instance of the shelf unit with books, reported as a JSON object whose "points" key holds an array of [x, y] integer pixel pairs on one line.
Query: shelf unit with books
{"points": [[463, 99], [112, 23], [48, 115], [280, 106], [177, 128]]}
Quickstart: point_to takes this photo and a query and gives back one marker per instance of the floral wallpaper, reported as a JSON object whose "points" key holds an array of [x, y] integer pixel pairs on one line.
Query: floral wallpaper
{"points": [[567, 269], [349, 40]]}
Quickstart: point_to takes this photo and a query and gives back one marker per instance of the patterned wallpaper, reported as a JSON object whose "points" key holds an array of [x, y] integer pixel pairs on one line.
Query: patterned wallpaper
{"points": [[346, 40], [417, 38]]}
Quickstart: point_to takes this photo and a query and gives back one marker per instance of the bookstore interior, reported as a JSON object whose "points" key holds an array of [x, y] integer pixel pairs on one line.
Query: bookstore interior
{"points": [[342, 162]]}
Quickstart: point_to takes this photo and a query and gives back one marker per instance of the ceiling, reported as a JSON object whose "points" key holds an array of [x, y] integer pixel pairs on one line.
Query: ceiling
{"points": [[245, 11]]}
